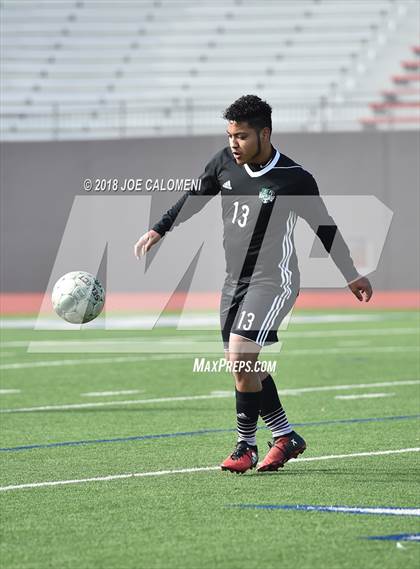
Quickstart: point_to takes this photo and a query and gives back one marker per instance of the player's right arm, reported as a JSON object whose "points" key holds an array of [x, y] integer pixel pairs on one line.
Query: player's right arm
{"points": [[146, 242], [190, 203], [316, 214]]}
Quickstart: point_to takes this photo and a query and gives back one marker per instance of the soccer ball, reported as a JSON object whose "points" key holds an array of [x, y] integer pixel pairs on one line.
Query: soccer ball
{"points": [[78, 297]]}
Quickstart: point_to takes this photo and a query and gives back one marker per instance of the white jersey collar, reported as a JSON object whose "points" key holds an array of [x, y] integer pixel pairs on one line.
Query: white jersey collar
{"points": [[266, 168]]}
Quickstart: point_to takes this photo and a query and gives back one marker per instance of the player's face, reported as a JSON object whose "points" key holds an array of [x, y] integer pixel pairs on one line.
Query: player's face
{"points": [[243, 142]]}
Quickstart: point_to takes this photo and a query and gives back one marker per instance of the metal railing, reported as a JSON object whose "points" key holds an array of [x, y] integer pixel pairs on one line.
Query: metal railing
{"points": [[123, 119]]}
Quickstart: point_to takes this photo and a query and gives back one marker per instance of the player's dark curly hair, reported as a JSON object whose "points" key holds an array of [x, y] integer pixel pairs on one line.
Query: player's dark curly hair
{"points": [[250, 109]]}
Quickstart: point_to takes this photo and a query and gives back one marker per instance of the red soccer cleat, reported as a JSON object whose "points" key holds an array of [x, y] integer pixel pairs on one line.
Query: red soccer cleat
{"points": [[242, 459], [283, 449]]}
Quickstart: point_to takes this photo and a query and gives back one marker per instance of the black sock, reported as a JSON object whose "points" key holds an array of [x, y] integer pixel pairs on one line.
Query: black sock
{"points": [[247, 412], [272, 412]]}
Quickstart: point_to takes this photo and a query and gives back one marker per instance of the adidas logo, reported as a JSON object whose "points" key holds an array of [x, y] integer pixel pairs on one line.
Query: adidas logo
{"points": [[241, 416], [227, 185]]}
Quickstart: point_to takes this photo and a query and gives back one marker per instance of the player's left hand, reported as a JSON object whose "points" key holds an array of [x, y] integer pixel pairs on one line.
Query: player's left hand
{"points": [[146, 242], [361, 287]]}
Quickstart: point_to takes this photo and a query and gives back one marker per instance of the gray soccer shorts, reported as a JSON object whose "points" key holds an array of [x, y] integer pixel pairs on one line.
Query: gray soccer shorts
{"points": [[255, 311]]}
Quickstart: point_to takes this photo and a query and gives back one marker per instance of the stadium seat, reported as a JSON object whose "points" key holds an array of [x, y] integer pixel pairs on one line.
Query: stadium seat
{"points": [[158, 66]]}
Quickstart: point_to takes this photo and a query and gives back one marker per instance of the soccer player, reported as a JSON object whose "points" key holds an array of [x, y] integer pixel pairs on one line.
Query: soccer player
{"points": [[263, 192]]}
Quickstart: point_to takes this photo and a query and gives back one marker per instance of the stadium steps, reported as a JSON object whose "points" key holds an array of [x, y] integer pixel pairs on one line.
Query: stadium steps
{"points": [[407, 78], [411, 65], [373, 122], [400, 105], [395, 95]]}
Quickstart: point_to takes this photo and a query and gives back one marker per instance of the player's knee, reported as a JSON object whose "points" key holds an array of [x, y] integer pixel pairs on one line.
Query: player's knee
{"points": [[241, 368], [239, 346], [242, 380]]}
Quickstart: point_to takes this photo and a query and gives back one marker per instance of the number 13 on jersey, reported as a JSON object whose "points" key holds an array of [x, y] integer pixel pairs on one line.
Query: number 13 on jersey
{"points": [[242, 218]]}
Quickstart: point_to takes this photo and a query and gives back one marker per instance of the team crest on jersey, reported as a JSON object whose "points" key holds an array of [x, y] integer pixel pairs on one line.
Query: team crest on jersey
{"points": [[266, 195]]}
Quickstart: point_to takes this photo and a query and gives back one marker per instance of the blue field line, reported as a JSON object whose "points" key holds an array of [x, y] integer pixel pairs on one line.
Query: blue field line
{"points": [[201, 432], [396, 537], [360, 510]]}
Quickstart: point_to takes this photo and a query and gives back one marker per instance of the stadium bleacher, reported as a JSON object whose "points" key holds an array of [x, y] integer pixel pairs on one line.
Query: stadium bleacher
{"points": [[149, 68], [400, 105]]}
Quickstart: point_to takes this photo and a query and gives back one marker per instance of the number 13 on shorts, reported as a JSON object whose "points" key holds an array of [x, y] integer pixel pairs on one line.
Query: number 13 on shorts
{"points": [[246, 320]]}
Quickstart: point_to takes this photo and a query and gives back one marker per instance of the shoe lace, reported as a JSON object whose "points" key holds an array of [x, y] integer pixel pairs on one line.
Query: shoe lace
{"points": [[240, 450]]}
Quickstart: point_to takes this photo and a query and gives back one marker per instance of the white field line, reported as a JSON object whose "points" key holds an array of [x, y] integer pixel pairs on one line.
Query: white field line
{"points": [[213, 395], [130, 359], [87, 361], [106, 403], [352, 332], [111, 477], [7, 391], [364, 396], [187, 348], [349, 350], [200, 337], [191, 320], [110, 393], [348, 386]]}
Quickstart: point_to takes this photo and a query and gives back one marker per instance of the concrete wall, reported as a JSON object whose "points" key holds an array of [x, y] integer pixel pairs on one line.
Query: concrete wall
{"points": [[40, 180]]}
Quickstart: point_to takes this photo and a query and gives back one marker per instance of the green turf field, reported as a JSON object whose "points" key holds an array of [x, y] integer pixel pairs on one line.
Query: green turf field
{"points": [[181, 511]]}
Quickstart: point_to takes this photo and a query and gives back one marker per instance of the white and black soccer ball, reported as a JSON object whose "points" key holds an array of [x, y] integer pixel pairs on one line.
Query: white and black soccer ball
{"points": [[78, 297]]}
